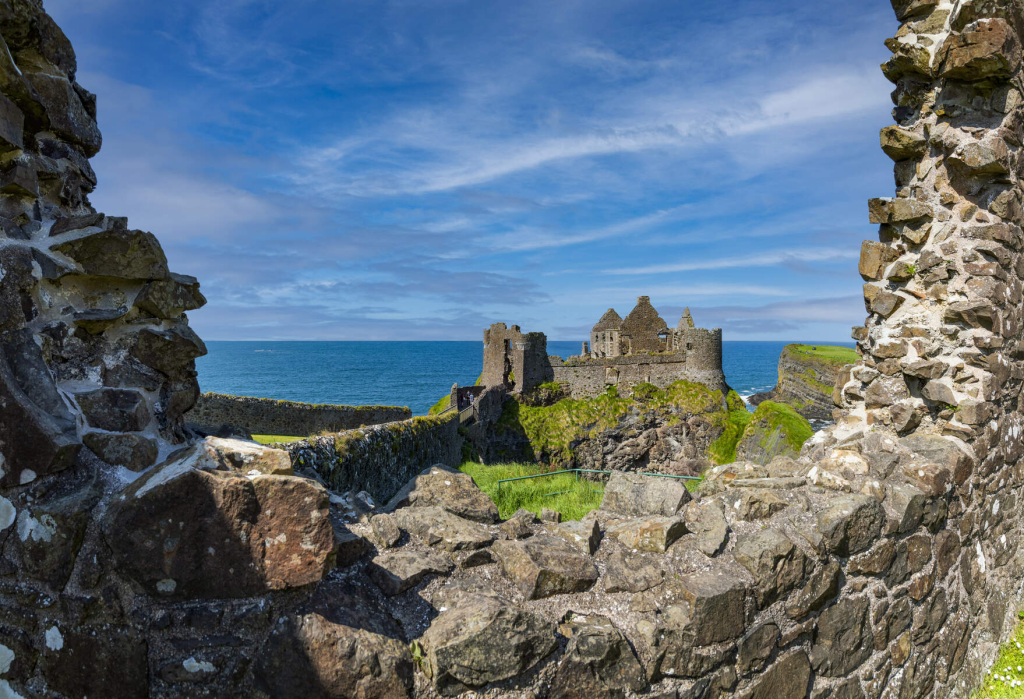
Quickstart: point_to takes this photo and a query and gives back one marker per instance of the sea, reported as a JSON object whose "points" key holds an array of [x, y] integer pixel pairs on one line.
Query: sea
{"points": [[415, 374]]}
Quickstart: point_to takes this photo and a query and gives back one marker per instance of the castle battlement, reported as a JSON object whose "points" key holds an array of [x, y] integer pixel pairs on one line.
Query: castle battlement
{"points": [[622, 352]]}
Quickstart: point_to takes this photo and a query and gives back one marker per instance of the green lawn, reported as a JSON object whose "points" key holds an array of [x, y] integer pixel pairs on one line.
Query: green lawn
{"points": [[574, 499], [274, 438], [1006, 678], [831, 353]]}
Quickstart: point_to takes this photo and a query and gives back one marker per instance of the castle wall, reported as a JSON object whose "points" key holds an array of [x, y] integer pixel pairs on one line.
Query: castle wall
{"points": [[589, 377], [382, 458], [282, 417]]}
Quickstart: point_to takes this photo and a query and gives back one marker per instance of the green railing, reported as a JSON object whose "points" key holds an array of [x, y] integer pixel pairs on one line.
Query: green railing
{"points": [[578, 471]]}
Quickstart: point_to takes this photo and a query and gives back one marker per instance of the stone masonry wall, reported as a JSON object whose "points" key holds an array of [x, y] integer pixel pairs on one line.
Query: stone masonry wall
{"points": [[380, 459], [282, 417]]}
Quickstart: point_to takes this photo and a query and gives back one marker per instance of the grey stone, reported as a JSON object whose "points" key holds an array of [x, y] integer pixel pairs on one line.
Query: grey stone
{"points": [[788, 678], [133, 451], [649, 534], [168, 299], [518, 525], [708, 524], [168, 351], [634, 495], [851, 523], [484, 640], [675, 649], [773, 560], [822, 586], [631, 573], [385, 530], [844, 639], [713, 600], [550, 516], [394, 572], [438, 527], [598, 662], [756, 648], [583, 534], [449, 489], [114, 409], [118, 253], [545, 565]]}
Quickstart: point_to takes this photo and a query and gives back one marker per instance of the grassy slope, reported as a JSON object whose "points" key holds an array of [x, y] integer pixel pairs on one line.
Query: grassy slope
{"points": [[533, 494], [552, 429], [827, 353], [770, 416], [1008, 668]]}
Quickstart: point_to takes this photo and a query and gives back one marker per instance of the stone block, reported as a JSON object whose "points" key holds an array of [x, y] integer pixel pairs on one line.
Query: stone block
{"points": [[987, 49], [776, 564], [713, 601], [900, 143], [132, 451], [394, 572], [445, 487], [844, 638], [788, 678], [598, 662], [545, 565], [891, 211], [635, 495], [118, 253], [438, 527], [114, 409], [168, 351], [851, 523]]}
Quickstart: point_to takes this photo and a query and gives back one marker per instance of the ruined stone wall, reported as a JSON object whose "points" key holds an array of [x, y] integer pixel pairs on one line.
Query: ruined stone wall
{"points": [[283, 417], [380, 459], [514, 358]]}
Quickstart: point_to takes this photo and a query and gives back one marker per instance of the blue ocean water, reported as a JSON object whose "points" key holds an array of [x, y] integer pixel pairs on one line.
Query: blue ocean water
{"points": [[405, 373]]}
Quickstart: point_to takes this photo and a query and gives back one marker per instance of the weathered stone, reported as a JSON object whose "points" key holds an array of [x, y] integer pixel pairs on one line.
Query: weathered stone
{"points": [[545, 565], [168, 351], [708, 524], [851, 523], [550, 516], [875, 561], [583, 534], [648, 534], [788, 678], [843, 640], [96, 320], [634, 495], [133, 451], [168, 298], [899, 143], [713, 601], [114, 409], [349, 546], [250, 458], [897, 210], [449, 489], [776, 564], [885, 391], [118, 253], [822, 586], [938, 392], [598, 662], [438, 527], [932, 479], [394, 572], [982, 158], [756, 648], [880, 301], [341, 648], [12, 124], [484, 640], [874, 258], [750, 504], [385, 530], [941, 451], [630, 573], [987, 49], [67, 224], [905, 505], [106, 661], [184, 532], [518, 525]]}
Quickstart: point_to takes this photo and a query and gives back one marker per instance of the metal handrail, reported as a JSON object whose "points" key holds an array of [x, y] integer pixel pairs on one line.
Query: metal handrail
{"points": [[578, 471]]}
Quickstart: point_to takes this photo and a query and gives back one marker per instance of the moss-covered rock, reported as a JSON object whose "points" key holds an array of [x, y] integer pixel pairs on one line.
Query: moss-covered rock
{"points": [[807, 375], [775, 429]]}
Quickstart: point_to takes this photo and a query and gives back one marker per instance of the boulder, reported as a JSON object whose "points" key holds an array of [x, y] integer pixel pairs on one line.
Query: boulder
{"points": [[349, 547], [449, 489], [647, 534], [104, 661], [342, 647], [169, 298], [114, 409], [545, 565], [634, 495], [822, 586], [385, 530], [713, 605], [118, 253], [181, 531], [706, 520], [598, 662], [988, 48], [851, 523], [675, 649], [843, 640], [168, 351], [788, 678], [518, 525], [242, 456], [776, 564], [583, 534], [394, 572], [631, 573], [484, 640], [438, 527], [756, 648]]}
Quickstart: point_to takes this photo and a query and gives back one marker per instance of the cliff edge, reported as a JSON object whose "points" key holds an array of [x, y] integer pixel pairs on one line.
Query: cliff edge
{"points": [[807, 377]]}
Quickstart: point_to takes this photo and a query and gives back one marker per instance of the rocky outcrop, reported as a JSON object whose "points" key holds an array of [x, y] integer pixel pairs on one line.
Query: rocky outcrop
{"points": [[808, 375]]}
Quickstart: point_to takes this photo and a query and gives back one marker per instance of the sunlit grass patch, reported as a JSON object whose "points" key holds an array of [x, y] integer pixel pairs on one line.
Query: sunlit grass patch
{"points": [[1006, 678], [564, 493], [274, 438]]}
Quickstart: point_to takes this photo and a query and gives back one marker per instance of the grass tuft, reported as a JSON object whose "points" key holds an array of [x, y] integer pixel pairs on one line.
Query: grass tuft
{"points": [[274, 438], [574, 499], [1006, 678]]}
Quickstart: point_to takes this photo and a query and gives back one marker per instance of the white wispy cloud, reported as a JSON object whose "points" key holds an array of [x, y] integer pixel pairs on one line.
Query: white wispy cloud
{"points": [[768, 258]]}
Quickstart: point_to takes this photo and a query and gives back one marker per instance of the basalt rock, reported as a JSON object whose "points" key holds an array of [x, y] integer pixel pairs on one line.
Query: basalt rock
{"points": [[545, 565]]}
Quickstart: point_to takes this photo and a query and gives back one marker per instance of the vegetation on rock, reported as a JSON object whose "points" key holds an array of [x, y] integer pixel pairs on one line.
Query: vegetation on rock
{"points": [[773, 429], [1005, 680]]}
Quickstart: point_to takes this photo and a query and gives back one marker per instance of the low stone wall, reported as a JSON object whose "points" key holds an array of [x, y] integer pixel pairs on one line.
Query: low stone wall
{"points": [[380, 459], [592, 376], [269, 416]]}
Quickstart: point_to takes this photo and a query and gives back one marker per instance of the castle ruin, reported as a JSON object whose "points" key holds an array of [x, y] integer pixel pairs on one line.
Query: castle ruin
{"points": [[622, 352]]}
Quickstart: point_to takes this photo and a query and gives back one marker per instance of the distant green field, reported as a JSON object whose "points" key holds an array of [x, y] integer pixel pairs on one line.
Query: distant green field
{"points": [[831, 353], [274, 438]]}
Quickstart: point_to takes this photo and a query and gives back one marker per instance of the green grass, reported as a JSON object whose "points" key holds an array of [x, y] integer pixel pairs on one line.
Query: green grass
{"points": [[829, 353], [723, 449], [274, 438], [1008, 668], [533, 494], [770, 416]]}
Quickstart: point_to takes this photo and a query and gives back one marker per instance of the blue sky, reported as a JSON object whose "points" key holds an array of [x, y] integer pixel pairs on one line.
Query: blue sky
{"points": [[350, 170]]}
